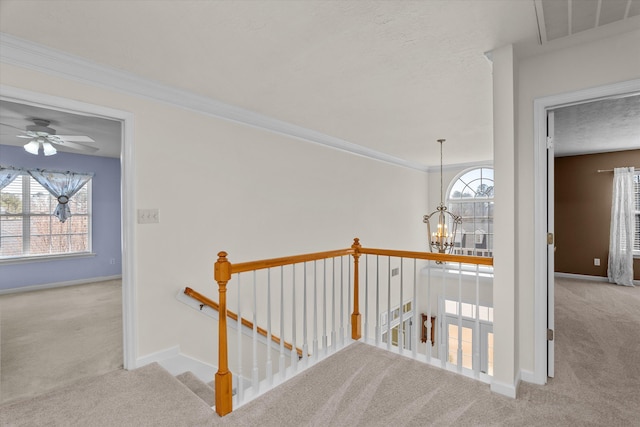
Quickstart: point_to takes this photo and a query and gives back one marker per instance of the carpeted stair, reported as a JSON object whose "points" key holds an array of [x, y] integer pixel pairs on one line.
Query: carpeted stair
{"points": [[198, 387]]}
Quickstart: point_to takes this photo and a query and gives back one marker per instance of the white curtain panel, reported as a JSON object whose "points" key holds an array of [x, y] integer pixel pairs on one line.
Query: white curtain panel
{"points": [[622, 232]]}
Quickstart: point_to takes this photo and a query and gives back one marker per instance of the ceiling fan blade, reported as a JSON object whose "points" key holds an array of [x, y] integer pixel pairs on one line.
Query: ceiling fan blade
{"points": [[74, 146], [11, 126], [76, 138], [25, 136]]}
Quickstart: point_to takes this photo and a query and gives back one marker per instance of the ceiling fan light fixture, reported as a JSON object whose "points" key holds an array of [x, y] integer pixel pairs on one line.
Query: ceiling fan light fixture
{"points": [[32, 147], [49, 150]]}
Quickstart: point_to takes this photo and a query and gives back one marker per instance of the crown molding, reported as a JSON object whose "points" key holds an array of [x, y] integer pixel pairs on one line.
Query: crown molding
{"points": [[26, 54], [461, 166]]}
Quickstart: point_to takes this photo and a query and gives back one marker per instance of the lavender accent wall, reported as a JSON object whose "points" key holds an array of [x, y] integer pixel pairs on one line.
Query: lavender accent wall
{"points": [[106, 222]]}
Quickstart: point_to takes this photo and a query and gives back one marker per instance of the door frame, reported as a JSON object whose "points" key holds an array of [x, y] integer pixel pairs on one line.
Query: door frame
{"points": [[127, 194], [542, 210]]}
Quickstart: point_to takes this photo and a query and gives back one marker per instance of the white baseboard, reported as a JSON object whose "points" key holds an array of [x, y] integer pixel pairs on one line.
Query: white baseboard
{"points": [[581, 277], [59, 284], [176, 363], [590, 278], [158, 356], [528, 376], [508, 390]]}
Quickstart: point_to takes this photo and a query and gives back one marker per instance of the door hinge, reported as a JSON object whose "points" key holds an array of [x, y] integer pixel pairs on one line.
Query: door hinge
{"points": [[549, 334], [549, 142], [549, 238]]}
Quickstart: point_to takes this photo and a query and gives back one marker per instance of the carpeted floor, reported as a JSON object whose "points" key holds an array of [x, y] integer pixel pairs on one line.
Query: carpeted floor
{"points": [[53, 337], [597, 383], [597, 379]]}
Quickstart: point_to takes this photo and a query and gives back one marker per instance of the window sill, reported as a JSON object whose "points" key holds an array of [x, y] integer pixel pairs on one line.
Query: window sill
{"points": [[41, 258]]}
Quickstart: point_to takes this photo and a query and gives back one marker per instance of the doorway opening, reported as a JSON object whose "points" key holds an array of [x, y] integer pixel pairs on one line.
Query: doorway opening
{"points": [[543, 210], [125, 188]]}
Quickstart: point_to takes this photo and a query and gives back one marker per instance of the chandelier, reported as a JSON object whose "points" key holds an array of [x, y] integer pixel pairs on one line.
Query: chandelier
{"points": [[442, 239]]}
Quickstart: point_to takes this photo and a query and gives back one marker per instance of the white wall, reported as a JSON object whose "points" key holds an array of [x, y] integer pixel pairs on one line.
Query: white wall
{"points": [[587, 65], [223, 186]]}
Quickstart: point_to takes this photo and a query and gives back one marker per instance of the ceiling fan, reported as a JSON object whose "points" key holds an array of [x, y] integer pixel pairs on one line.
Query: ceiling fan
{"points": [[40, 134]]}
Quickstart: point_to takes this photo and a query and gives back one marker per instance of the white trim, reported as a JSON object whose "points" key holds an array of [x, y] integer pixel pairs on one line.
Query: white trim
{"points": [[540, 107], [589, 278], [49, 257], [181, 363], [158, 356], [26, 54], [466, 166], [59, 284], [581, 277], [527, 376], [509, 390], [127, 182]]}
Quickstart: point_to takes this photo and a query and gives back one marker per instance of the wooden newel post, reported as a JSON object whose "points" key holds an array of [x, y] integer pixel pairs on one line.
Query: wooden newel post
{"points": [[356, 327], [223, 383]]}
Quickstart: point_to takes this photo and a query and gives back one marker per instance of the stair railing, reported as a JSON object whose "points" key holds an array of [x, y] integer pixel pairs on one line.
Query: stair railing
{"points": [[330, 341]]}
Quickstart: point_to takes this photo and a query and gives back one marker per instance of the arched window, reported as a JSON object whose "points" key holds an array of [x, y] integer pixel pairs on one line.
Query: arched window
{"points": [[471, 197]]}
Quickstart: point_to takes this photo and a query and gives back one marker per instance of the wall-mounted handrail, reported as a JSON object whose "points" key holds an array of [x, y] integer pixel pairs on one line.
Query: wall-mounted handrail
{"points": [[247, 323]]}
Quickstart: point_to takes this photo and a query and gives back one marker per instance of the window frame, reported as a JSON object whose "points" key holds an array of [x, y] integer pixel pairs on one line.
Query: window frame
{"points": [[26, 235], [451, 202]]}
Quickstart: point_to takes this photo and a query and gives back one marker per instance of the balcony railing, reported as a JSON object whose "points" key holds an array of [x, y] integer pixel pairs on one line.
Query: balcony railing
{"points": [[322, 301]]}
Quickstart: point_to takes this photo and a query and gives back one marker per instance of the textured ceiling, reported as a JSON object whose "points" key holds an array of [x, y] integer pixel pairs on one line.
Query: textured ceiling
{"points": [[604, 125], [15, 117], [392, 76]]}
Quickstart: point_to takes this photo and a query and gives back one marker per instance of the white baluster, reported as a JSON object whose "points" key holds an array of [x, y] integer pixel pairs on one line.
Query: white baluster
{"points": [[388, 303], [254, 375], [333, 304], [269, 362], [341, 303], [324, 307], [476, 330], [443, 333], [366, 298], [349, 306], [416, 330], [294, 353], [281, 368], [240, 383], [400, 325], [305, 347], [459, 317], [315, 311], [429, 349], [378, 300]]}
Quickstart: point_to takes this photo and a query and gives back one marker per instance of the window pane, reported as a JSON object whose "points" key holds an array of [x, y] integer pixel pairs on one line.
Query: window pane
{"points": [[26, 207], [11, 197], [40, 245], [11, 246], [41, 201], [451, 307], [467, 346], [60, 244], [79, 243]]}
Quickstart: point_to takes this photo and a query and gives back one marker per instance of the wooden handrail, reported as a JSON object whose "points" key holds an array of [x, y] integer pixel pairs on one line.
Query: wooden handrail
{"points": [[211, 303], [465, 259], [288, 260]]}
